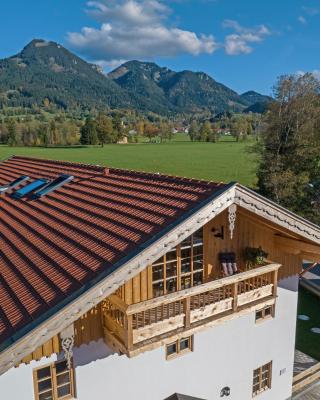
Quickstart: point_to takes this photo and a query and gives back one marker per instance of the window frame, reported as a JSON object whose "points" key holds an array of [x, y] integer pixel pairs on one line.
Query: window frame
{"points": [[177, 343], [54, 381], [258, 373], [265, 316], [179, 276]]}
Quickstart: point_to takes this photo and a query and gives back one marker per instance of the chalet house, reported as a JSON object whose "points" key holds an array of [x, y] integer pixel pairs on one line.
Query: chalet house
{"points": [[120, 285]]}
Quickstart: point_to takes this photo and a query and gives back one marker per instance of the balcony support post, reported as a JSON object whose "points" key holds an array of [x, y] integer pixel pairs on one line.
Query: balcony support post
{"points": [[129, 332], [235, 296], [275, 282], [187, 312]]}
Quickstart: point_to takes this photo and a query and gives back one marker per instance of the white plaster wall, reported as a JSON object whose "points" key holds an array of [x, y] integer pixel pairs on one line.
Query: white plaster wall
{"points": [[17, 383], [224, 355]]}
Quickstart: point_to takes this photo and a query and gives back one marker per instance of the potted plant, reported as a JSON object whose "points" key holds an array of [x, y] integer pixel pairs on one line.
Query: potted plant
{"points": [[254, 256]]}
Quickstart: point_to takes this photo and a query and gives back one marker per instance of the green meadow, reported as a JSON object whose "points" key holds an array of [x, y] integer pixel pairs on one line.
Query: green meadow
{"points": [[224, 161]]}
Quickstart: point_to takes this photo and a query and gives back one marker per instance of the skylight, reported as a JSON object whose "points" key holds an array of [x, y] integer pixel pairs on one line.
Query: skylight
{"points": [[55, 184], [29, 188], [13, 184]]}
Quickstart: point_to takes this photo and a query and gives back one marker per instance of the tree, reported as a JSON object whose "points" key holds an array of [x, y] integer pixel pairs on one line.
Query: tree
{"points": [[88, 132], [53, 133], [205, 131], [238, 127], [249, 129], [43, 134], [194, 131], [289, 171], [118, 127], [139, 127], [150, 130], [12, 133], [165, 131], [104, 128]]}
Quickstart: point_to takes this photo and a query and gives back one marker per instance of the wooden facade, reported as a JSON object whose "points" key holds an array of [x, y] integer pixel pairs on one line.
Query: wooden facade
{"points": [[133, 319], [46, 350], [250, 231]]}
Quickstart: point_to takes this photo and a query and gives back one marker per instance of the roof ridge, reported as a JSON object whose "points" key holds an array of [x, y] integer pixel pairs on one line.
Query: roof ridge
{"points": [[164, 176], [94, 167], [101, 169]]}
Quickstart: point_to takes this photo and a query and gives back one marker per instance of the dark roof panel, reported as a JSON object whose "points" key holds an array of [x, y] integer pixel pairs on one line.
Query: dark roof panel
{"points": [[178, 396]]}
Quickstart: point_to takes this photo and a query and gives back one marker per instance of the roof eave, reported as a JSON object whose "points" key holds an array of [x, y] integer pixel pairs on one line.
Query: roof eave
{"points": [[45, 327]]}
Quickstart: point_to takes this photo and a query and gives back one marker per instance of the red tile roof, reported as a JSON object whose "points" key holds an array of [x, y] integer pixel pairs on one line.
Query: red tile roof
{"points": [[51, 247]]}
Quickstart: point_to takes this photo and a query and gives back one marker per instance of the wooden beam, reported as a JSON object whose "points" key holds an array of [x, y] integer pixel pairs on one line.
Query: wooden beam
{"points": [[260, 221], [114, 299], [296, 245], [311, 257]]}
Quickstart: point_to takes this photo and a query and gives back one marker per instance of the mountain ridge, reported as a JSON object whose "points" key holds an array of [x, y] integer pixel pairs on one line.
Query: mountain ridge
{"points": [[47, 70]]}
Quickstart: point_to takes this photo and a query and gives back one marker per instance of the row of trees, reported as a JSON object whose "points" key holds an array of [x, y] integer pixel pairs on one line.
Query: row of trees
{"points": [[36, 133], [104, 129], [238, 125], [44, 129]]}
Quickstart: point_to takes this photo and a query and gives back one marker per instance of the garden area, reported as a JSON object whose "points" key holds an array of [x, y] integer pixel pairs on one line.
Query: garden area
{"points": [[308, 341]]}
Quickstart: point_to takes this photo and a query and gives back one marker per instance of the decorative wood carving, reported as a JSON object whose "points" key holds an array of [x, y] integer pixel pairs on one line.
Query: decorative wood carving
{"points": [[67, 343], [232, 215]]}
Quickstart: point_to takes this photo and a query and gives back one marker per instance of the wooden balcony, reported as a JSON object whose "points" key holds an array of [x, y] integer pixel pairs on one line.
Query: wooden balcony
{"points": [[135, 328]]}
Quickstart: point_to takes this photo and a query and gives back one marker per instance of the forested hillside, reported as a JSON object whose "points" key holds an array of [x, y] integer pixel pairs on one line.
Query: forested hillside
{"points": [[46, 73]]}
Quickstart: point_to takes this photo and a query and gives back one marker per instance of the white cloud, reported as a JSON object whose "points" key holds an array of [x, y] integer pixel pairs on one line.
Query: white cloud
{"points": [[312, 11], [315, 73], [135, 29], [302, 20], [240, 42]]}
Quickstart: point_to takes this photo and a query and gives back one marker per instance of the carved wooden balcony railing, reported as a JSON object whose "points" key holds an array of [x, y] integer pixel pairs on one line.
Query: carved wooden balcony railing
{"points": [[136, 326]]}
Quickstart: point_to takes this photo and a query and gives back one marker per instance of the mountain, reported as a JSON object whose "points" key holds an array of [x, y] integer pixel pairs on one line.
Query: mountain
{"points": [[257, 103], [46, 70], [159, 88], [257, 108], [142, 80], [253, 97]]}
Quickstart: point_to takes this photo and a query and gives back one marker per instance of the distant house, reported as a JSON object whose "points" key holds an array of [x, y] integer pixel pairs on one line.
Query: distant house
{"points": [[123, 140], [119, 285]]}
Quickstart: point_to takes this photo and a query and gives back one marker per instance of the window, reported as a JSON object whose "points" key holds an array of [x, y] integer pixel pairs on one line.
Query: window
{"points": [[262, 379], [265, 313], [179, 347], [180, 268], [53, 382]]}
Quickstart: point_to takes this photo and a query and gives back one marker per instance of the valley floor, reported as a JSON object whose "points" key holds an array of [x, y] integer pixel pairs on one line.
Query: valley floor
{"points": [[223, 161]]}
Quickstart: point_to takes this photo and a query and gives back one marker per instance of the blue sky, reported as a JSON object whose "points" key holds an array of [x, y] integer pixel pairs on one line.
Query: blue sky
{"points": [[244, 44]]}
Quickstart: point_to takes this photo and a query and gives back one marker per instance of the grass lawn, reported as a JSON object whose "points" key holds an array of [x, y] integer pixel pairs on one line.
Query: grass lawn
{"points": [[223, 161], [306, 341]]}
